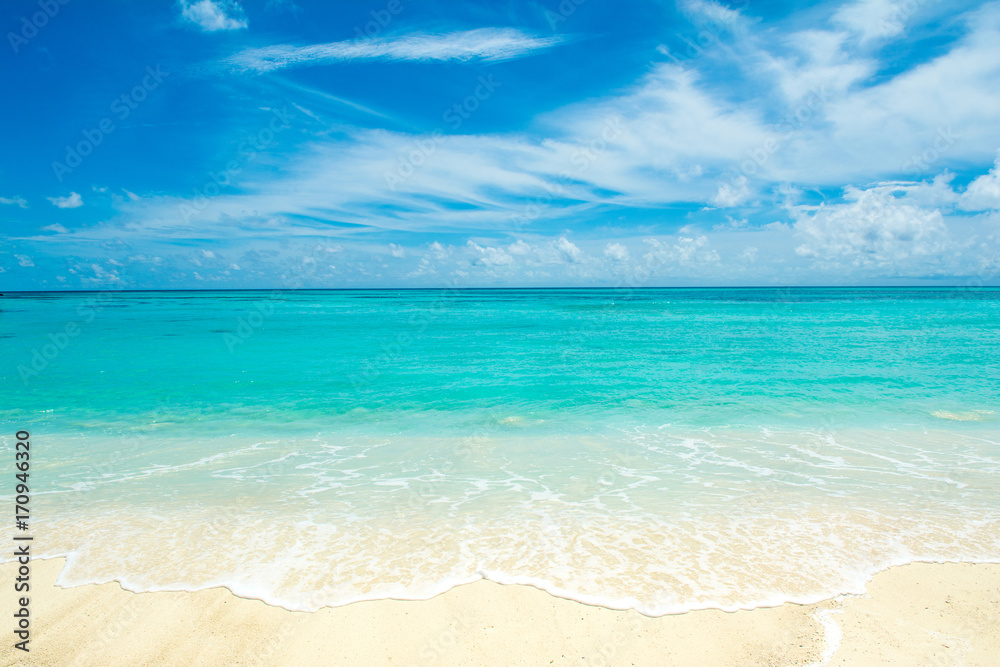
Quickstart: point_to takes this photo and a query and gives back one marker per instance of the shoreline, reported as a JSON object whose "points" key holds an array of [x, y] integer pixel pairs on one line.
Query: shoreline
{"points": [[936, 613]]}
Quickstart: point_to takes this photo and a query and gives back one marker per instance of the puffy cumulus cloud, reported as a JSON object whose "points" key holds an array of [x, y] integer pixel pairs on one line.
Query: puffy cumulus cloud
{"points": [[569, 251], [73, 200], [682, 251], [104, 276], [936, 193], [874, 228], [823, 247], [687, 257], [488, 262], [92, 274], [438, 251], [519, 248], [213, 15], [292, 265], [616, 252], [491, 256], [523, 254], [732, 194], [984, 192]]}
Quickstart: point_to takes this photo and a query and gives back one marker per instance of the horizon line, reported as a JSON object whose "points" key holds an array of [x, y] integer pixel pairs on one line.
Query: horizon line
{"points": [[438, 289]]}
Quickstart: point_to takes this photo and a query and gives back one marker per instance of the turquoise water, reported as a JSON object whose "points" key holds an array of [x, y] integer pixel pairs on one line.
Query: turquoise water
{"points": [[658, 449]]}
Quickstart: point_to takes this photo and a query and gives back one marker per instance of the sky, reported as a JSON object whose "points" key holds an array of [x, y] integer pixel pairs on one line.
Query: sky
{"points": [[245, 144]]}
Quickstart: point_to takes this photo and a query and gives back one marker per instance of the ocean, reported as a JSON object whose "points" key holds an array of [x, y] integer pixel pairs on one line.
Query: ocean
{"points": [[653, 449]]}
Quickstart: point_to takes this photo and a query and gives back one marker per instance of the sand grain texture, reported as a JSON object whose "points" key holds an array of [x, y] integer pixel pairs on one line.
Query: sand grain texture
{"points": [[936, 614]]}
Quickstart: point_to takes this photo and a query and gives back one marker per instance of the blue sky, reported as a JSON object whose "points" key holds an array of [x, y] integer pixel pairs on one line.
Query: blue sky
{"points": [[276, 143]]}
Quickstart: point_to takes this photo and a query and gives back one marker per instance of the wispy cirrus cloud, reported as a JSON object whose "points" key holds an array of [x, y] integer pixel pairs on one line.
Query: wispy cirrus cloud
{"points": [[838, 159], [489, 44]]}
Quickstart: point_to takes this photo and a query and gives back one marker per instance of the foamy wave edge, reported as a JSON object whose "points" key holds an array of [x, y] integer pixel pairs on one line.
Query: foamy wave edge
{"points": [[239, 589]]}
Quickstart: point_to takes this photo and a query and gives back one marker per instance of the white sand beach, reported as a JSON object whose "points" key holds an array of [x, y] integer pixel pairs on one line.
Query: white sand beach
{"points": [[939, 614]]}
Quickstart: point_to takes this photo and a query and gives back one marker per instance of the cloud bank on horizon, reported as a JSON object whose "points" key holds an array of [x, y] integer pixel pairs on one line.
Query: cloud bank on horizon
{"points": [[240, 144]]}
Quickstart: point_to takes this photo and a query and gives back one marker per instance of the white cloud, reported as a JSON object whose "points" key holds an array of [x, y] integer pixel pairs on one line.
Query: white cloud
{"points": [[732, 194], [101, 275], [214, 15], [837, 122], [24, 260], [668, 138], [616, 252], [944, 109], [482, 262], [655, 141], [57, 228], [706, 10], [818, 62], [646, 146], [569, 251], [984, 192], [15, 201], [873, 229], [684, 250], [936, 193], [519, 248], [817, 117], [73, 200], [489, 44], [872, 19], [491, 256], [438, 251], [731, 224]]}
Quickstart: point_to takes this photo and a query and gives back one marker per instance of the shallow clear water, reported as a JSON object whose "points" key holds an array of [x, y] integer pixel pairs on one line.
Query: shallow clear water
{"points": [[660, 449]]}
